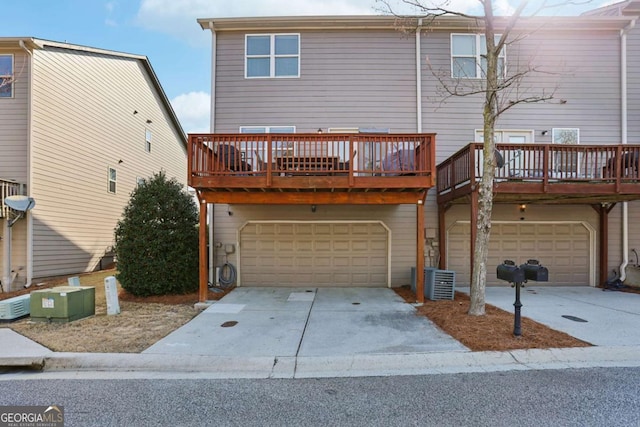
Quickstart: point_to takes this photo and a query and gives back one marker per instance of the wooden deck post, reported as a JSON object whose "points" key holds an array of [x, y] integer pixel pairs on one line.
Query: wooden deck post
{"points": [[420, 252], [603, 247], [442, 237], [203, 288], [474, 231]]}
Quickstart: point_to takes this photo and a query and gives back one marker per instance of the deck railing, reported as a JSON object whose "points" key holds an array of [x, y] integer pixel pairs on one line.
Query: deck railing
{"points": [[290, 155], [547, 163], [8, 188]]}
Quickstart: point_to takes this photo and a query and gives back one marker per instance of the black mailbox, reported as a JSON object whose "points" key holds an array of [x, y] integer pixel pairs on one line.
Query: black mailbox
{"points": [[510, 272], [534, 271]]}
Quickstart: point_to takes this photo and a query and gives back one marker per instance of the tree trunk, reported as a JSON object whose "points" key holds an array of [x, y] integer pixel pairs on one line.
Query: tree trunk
{"points": [[485, 191]]}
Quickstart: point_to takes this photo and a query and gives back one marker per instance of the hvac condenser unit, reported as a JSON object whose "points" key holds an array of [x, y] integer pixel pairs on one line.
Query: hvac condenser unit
{"points": [[438, 284], [63, 304], [14, 308]]}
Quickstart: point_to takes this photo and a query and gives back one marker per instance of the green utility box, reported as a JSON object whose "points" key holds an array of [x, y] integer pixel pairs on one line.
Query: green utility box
{"points": [[63, 304]]}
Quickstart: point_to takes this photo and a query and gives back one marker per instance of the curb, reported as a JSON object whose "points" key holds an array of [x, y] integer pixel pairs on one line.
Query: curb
{"points": [[335, 366]]}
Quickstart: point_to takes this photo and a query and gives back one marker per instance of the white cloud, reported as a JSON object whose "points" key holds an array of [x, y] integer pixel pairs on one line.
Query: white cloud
{"points": [[193, 111], [178, 17]]}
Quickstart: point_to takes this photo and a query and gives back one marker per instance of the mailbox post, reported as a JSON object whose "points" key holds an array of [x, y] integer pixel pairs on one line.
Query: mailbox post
{"points": [[517, 275], [513, 274]]}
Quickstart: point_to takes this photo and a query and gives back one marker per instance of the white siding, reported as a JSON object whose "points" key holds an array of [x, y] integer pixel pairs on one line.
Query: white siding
{"points": [[84, 122]]}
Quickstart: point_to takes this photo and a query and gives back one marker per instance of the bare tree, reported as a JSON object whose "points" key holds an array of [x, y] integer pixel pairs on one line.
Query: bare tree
{"points": [[501, 92]]}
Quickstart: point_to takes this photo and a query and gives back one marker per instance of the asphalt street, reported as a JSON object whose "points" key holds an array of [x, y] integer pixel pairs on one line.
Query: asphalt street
{"points": [[570, 397]]}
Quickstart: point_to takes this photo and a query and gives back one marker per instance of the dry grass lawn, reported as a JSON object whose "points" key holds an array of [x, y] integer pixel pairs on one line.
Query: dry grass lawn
{"points": [[143, 321]]}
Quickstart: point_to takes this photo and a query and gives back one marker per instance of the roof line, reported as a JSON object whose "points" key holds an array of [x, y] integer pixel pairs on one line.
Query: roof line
{"points": [[36, 43]]}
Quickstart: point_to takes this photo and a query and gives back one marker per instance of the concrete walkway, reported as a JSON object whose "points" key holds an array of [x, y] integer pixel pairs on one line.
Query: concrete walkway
{"points": [[331, 332]]}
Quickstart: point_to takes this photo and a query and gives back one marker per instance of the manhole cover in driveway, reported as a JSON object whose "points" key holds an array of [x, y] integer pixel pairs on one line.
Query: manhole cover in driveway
{"points": [[229, 324], [574, 318]]}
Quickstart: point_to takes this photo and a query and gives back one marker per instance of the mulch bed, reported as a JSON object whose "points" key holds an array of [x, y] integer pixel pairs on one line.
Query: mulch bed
{"points": [[491, 332]]}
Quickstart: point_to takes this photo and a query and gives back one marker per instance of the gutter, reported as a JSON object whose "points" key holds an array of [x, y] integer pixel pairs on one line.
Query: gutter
{"points": [[624, 125], [212, 127], [29, 215], [418, 78]]}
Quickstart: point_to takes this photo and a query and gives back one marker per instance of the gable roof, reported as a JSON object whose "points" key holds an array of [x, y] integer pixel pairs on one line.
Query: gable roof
{"points": [[32, 43]]}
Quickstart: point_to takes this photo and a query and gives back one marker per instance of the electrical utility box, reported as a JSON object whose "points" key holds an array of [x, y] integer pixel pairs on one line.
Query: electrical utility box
{"points": [[63, 304]]}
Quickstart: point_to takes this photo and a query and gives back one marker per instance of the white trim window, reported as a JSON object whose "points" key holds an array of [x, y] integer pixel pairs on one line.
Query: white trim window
{"points": [[267, 129], [272, 56], [112, 179], [147, 140], [6, 76], [469, 56]]}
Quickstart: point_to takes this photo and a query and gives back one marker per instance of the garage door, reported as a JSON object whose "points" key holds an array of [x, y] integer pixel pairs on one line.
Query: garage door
{"points": [[562, 248], [314, 254]]}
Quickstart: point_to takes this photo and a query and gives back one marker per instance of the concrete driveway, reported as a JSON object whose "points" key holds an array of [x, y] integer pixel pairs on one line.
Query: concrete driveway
{"points": [[602, 318], [307, 322]]}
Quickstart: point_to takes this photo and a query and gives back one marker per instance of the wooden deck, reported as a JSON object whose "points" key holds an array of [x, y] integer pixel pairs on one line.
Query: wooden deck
{"points": [[312, 168], [545, 173], [595, 175], [8, 188]]}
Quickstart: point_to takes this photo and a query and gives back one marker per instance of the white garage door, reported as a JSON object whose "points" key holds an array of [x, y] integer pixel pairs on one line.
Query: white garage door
{"points": [[314, 254], [562, 248]]}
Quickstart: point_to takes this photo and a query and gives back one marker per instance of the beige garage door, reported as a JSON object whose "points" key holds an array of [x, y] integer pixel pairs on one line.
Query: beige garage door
{"points": [[562, 248], [314, 254]]}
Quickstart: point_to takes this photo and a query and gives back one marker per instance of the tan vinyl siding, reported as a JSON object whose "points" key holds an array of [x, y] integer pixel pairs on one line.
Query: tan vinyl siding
{"points": [[14, 118], [366, 80], [18, 250], [83, 123], [510, 213], [399, 219]]}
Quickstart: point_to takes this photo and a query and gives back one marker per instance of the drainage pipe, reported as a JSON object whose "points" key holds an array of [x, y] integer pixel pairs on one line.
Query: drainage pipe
{"points": [[29, 216], [418, 78], [624, 111], [212, 126]]}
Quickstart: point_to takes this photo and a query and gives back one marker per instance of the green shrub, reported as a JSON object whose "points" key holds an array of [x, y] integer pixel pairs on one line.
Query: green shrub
{"points": [[157, 240]]}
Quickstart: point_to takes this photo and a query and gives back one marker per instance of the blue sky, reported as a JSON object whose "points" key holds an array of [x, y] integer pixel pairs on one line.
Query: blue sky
{"points": [[166, 32]]}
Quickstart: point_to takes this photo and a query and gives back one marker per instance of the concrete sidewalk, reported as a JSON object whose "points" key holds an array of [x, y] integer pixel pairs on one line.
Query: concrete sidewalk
{"points": [[331, 332]]}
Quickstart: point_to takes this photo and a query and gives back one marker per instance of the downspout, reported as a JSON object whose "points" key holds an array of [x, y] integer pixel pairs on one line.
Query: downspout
{"points": [[212, 127], [624, 110], [418, 78], [29, 215]]}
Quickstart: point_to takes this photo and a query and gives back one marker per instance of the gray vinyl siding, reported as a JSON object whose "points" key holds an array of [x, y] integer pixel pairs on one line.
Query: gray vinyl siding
{"points": [[358, 78], [83, 123], [364, 80], [633, 90], [14, 122], [588, 82]]}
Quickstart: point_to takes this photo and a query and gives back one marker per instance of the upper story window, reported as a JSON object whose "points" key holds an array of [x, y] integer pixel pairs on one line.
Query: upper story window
{"points": [[272, 55], [112, 178], [267, 129], [147, 140], [6, 76], [468, 56]]}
